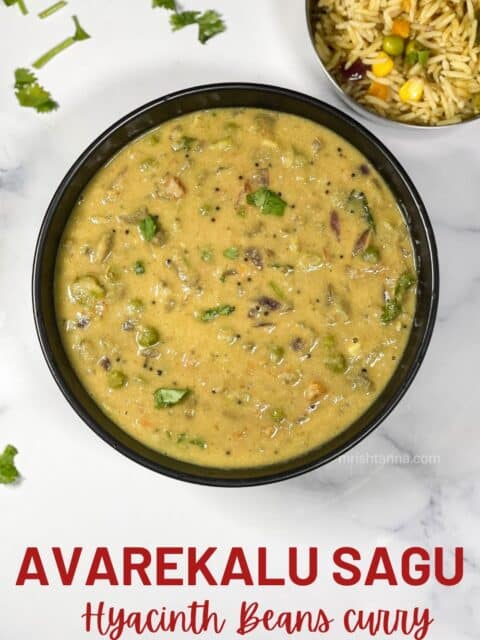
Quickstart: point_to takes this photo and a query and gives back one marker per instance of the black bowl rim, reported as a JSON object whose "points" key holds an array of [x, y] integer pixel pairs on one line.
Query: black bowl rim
{"points": [[322, 459]]}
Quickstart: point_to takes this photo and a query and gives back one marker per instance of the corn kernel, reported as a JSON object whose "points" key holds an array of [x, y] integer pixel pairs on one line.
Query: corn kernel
{"points": [[401, 28], [406, 5], [354, 349], [412, 90], [380, 91], [383, 67]]}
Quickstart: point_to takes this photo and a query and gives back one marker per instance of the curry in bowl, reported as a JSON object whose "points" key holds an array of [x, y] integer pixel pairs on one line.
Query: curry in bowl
{"points": [[236, 287]]}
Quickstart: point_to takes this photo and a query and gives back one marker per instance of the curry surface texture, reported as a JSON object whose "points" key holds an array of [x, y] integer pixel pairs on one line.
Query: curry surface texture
{"points": [[236, 287]]}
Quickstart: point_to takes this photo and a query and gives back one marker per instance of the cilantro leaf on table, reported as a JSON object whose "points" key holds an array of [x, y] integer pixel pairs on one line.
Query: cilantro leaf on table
{"points": [[31, 94], [164, 4], [210, 24], [8, 471], [183, 19]]}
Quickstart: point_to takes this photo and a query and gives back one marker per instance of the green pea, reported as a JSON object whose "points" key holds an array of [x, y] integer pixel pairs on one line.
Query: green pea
{"points": [[147, 337], [335, 362], [116, 379], [139, 267], [87, 291], [371, 254], [412, 47], [423, 57], [414, 53], [276, 353], [277, 414], [393, 45], [135, 306]]}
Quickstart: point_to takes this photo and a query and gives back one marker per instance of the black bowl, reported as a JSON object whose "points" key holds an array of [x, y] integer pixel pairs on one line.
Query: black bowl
{"points": [[137, 123]]}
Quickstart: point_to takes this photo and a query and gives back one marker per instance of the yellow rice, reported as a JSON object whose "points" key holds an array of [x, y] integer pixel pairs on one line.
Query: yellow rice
{"points": [[351, 30]]}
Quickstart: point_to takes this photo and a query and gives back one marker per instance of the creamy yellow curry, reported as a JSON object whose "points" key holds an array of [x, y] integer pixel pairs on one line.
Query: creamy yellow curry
{"points": [[235, 287]]}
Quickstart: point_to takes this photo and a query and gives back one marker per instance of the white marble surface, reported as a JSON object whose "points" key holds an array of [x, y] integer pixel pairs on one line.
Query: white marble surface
{"points": [[76, 490]]}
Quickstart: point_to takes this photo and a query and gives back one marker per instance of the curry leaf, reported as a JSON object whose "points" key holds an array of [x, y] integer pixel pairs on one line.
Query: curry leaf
{"points": [[358, 203]]}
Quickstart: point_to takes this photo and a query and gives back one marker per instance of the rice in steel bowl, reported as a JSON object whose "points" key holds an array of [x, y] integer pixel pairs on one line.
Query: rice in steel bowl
{"points": [[416, 61]]}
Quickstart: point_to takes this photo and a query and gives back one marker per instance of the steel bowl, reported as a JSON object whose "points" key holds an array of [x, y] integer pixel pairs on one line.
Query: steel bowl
{"points": [[136, 124], [312, 19]]}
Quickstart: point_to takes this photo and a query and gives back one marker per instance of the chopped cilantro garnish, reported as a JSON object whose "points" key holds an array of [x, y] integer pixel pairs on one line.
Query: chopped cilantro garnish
{"points": [[210, 24], [148, 228], [184, 143], [183, 19], [52, 9], [79, 35], [393, 307], [164, 4], [404, 283], [267, 201], [30, 94], [8, 470], [391, 310], [21, 5], [165, 397], [222, 310], [231, 253]]}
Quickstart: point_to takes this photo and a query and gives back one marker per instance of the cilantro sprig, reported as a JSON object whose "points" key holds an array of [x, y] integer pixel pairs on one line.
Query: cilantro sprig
{"points": [[148, 228], [79, 35], [31, 94], [210, 23], [164, 4], [269, 202], [8, 471], [168, 397]]}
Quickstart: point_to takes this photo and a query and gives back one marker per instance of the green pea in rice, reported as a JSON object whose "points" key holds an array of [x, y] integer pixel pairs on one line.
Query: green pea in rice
{"points": [[351, 30]]}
